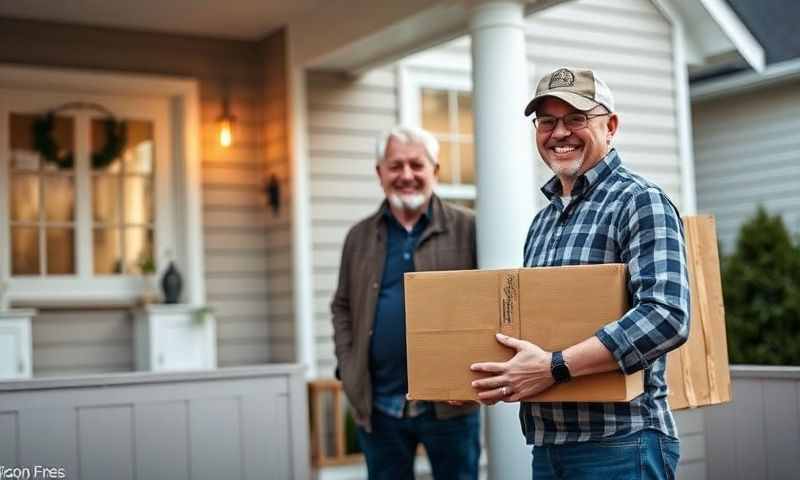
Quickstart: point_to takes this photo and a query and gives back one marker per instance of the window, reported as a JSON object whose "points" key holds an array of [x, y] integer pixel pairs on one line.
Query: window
{"points": [[442, 105], [43, 218], [78, 229]]}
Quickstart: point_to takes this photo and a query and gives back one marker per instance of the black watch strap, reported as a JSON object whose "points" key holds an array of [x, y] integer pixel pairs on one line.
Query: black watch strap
{"points": [[559, 368]]}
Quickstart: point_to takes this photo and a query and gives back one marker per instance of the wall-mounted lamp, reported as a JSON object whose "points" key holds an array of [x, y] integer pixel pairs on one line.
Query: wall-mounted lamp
{"points": [[225, 122], [273, 190]]}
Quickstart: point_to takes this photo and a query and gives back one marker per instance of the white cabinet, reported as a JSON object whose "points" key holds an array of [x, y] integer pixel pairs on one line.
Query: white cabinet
{"points": [[16, 344], [174, 337]]}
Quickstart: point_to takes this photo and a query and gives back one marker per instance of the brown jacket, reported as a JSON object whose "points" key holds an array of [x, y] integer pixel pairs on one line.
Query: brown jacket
{"points": [[447, 243]]}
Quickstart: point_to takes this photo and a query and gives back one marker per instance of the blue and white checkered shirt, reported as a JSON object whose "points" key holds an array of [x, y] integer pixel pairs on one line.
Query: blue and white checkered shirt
{"points": [[616, 216]]}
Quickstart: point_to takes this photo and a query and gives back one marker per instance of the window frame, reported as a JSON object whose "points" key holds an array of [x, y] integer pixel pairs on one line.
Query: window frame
{"points": [[172, 105], [412, 80]]}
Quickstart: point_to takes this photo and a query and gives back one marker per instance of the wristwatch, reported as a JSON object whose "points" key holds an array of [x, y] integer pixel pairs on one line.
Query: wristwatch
{"points": [[559, 368]]}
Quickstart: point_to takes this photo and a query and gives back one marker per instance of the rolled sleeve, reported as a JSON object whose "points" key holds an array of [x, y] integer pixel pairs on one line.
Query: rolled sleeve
{"points": [[652, 245]]}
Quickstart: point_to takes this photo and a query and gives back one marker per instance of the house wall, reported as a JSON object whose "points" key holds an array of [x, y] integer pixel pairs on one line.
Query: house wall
{"points": [[345, 116], [280, 311], [244, 247], [747, 153], [634, 57], [628, 42]]}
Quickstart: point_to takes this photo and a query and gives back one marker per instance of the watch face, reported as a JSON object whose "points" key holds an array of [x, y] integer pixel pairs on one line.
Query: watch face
{"points": [[561, 373]]}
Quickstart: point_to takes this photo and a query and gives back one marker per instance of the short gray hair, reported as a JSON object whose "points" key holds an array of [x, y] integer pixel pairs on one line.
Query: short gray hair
{"points": [[407, 134]]}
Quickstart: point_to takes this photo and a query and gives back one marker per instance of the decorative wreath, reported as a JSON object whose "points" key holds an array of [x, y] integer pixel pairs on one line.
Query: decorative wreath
{"points": [[46, 145]]}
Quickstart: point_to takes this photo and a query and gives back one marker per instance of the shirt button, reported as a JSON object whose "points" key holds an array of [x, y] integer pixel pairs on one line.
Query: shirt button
{"points": [[407, 256], [374, 284], [370, 333]]}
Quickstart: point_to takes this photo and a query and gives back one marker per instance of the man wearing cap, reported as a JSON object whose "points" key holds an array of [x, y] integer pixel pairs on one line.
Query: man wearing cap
{"points": [[413, 230], [598, 212]]}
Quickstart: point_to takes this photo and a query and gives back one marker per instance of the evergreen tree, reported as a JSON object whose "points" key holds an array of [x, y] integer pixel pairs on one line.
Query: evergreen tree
{"points": [[761, 286]]}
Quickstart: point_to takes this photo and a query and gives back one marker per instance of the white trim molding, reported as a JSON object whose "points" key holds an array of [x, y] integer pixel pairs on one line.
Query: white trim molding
{"points": [[741, 82], [302, 263], [182, 95], [683, 106], [737, 32]]}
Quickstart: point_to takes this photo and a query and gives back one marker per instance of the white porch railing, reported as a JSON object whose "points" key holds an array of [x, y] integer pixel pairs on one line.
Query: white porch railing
{"points": [[757, 435], [243, 423]]}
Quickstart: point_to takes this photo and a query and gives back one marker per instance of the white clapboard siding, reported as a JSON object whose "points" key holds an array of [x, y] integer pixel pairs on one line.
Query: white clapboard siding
{"points": [[345, 116], [242, 236], [747, 153], [68, 342]]}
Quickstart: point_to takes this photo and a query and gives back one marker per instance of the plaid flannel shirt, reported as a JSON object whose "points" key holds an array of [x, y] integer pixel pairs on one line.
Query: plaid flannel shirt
{"points": [[616, 216]]}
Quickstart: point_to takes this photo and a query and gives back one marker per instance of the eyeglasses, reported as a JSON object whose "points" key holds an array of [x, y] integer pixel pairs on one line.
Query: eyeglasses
{"points": [[572, 121]]}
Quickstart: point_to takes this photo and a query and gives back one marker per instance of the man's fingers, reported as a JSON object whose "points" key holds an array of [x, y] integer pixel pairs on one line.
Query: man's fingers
{"points": [[512, 342], [495, 395], [489, 383], [488, 367]]}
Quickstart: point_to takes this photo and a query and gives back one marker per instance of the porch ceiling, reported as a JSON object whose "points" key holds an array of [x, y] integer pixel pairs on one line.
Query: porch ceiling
{"points": [[237, 19]]}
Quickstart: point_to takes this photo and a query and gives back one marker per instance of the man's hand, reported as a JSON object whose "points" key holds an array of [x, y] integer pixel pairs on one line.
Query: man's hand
{"points": [[525, 375]]}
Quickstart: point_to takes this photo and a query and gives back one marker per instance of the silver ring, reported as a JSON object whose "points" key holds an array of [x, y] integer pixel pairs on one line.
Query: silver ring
{"points": [[504, 391]]}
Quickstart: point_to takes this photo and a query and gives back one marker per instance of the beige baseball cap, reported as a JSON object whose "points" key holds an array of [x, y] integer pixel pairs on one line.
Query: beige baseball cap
{"points": [[580, 87]]}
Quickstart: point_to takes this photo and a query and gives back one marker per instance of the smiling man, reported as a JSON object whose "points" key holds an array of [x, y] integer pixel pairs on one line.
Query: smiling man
{"points": [[413, 230], [598, 212]]}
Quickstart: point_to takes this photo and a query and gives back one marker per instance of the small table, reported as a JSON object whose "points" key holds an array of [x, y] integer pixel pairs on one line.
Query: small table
{"points": [[174, 337], [16, 345]]}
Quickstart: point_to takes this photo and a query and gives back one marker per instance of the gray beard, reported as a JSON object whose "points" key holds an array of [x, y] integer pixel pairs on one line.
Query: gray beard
{"points": [[411, 202], [570, 170]]}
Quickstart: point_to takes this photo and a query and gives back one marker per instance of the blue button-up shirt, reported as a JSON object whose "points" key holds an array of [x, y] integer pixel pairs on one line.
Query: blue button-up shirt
{"points": [[616, 216], [388, 367]]}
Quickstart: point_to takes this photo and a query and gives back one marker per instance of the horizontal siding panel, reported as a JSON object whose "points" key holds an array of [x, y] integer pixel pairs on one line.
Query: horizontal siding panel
{"points": [[82, 328], [235, 154], [752, 196], [333, 233], [250, 176], [253, 306], [755, 178], [624, 21], [282, 352], [354, 189], [254, 328], [374, 122], [255, 353], [342, 164], [254, 218], [352, 97], [331, 142], [707, 165], [632, 58], [230, 284], [378, 78], [228, 197], [215, 239], [79, 357], [598, 35], [343, 212]]}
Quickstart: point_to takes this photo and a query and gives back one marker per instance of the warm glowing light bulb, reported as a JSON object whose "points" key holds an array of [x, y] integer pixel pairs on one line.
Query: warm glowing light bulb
{"points": [[225, 133]]}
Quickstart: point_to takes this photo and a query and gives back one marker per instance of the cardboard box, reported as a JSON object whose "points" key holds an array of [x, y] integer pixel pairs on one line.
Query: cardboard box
{"points": [[698, 373], [561, 306], [452, 318]]}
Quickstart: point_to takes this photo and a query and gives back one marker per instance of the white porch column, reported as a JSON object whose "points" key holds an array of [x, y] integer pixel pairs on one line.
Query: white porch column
{"points": [[505, 187]]}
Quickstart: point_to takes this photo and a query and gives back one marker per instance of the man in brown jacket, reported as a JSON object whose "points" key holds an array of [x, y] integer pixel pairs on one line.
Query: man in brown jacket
{"points": [[413, 230]]}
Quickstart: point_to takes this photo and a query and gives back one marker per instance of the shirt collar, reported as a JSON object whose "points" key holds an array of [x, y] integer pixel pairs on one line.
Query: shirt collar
{"points": [[588, 180]]}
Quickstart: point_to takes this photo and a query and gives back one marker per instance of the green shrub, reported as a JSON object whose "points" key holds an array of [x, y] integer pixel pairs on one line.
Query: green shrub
{"points": [[761, 286]]}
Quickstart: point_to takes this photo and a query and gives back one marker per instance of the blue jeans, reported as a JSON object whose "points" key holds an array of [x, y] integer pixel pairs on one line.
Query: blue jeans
{"points": [[453, 446], [643, 455]]}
